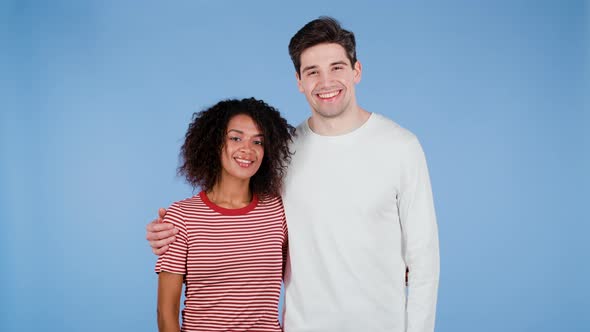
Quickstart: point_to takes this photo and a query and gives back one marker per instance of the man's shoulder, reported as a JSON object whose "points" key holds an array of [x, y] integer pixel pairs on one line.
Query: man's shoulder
{"points": [[378, 127], [301, 129], [385, 127]]}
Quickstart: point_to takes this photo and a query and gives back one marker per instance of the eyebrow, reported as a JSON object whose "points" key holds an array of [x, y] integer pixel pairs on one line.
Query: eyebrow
{"points": [[339, 63], [308, 68], [241, 132], [332, 64]]}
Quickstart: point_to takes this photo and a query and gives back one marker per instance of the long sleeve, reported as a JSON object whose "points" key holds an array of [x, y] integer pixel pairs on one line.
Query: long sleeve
{"points": [[420, 239]]}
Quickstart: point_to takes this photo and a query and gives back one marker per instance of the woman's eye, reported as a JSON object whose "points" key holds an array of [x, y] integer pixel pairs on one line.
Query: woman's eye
{"points": [[258, 142], [235, 139]]}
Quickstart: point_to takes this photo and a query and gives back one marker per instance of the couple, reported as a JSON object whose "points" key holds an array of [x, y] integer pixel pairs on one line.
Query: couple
{"points": [[357, 202]]}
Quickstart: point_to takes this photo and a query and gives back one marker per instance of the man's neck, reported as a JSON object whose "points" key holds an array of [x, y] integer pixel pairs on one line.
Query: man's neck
{"points": [[339, 125]]}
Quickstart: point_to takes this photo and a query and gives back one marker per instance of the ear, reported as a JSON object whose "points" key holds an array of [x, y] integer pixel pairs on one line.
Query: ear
{"points": [[358, 71], [299, 85]]}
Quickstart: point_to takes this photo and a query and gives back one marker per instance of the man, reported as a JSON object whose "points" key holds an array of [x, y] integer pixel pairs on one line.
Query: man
{"points": [[358, 202]]}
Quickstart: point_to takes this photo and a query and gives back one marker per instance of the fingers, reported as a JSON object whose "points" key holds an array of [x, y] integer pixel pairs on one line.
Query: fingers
{"points": [[161, 213], [161, 246], [158, 232], [156, 226], [160, 251]]}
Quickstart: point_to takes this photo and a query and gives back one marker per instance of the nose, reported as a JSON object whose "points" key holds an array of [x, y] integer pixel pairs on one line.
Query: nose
{"points": [[246, 145], [324, 78]]}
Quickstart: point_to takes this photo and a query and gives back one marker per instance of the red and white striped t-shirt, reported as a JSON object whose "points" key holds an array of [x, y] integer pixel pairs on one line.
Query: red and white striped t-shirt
{"points": [[233, 262]]}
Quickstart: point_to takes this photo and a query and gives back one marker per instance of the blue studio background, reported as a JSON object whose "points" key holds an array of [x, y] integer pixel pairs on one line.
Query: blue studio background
{"points": [[95, 97]]}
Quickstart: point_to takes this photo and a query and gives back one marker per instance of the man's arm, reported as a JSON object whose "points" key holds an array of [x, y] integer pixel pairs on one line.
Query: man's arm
{"points": [[420, 231], [169, 289], [160, 234]]}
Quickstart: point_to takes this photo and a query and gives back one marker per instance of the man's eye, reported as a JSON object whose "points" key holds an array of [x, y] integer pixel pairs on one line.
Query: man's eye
{"points": [[338, 68], [311, 73]]}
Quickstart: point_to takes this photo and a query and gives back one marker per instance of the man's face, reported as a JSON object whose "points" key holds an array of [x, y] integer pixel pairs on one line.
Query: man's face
{"points": [[327, 79]]}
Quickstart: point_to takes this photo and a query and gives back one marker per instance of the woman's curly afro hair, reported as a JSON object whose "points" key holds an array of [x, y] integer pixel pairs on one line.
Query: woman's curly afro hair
{"points": [[201, 152]]}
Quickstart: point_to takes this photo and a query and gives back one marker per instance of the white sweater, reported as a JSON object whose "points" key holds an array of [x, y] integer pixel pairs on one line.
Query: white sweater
{"points": [[359, 210]]}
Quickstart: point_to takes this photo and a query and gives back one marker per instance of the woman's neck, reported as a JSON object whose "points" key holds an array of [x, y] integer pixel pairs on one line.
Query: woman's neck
{"points": [[230, 194]]}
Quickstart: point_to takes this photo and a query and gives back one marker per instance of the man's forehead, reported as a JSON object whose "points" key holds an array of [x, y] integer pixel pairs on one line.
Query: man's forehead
{"points": [[324, 53]]}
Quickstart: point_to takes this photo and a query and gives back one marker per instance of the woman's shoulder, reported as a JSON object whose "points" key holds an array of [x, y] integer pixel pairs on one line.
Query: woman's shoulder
{"points": [[269, 200], [192, 202]]}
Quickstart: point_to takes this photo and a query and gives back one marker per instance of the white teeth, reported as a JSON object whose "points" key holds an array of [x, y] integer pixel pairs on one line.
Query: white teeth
{"points": [[328, 95], [244, 161]]}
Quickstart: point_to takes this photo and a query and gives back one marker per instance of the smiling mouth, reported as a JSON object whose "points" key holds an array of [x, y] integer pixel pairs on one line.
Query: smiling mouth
{"points": [[244, 162], [328, 95]]}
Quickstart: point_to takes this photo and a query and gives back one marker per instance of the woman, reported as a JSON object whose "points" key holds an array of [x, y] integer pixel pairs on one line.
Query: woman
{"points": [[232, 242]]}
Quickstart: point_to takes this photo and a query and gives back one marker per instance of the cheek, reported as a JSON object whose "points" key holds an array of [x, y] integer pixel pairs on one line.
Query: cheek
{"points": [[224, 158], [300, 87], [226, 153], [306, 86], [228, 148]]}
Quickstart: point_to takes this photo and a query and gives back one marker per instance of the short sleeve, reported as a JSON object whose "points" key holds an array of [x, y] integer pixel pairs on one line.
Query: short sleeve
{"points": [[174, 260]]}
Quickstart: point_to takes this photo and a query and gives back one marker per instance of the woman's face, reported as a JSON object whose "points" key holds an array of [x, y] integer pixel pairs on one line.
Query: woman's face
{"points": [[243, 148]]}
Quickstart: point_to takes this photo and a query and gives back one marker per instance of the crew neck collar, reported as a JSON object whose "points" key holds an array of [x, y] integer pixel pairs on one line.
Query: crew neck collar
{"points": [[226, 211], [351, 133]]}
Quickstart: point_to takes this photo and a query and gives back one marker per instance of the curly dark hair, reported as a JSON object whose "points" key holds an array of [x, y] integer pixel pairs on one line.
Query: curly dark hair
{"points": [[319, 31], [201, 152]]}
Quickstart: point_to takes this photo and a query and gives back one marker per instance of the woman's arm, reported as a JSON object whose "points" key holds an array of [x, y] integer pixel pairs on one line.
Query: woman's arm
{"points": [[169, 290]]}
